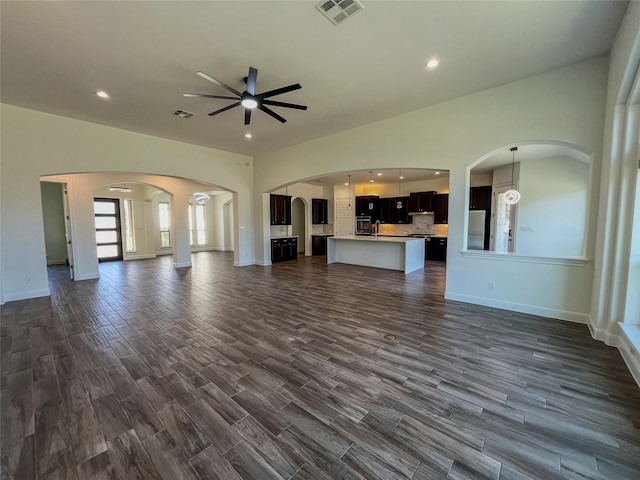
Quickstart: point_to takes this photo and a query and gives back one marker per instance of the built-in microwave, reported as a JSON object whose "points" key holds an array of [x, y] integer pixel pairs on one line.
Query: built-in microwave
{"points": [[363, 225]]}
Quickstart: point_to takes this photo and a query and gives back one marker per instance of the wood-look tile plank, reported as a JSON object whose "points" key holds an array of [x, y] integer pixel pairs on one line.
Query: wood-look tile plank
{"points": [[86, 437], [261, 411], [130, 459], [123, 384], [283, 459], [211, 465], [142, 415], [18, 459], [223, 404], [184, 432], [98, 468], [180, 390], [112, 417], [60, 465], [157, 395], [167, 458], [464, 391], [249, 464]]}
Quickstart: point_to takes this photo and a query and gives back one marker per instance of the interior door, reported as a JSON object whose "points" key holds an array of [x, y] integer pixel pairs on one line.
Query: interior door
{"points": [[67, 229], [108, 235]]}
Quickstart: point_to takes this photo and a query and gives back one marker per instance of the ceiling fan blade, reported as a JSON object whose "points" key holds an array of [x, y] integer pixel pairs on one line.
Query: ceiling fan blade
{"points": [[251, 81], [268, 111], [283, 104], [279, 91], [228, 107], [247, 116], [208, 96], [218, 82]]}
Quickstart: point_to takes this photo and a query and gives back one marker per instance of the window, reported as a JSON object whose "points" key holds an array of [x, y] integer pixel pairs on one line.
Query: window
{"points": [[130, 241], [197, 225], [164, 224]]}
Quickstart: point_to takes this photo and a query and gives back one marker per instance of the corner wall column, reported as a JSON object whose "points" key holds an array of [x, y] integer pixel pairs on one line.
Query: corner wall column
{"points": [[181, 242]]}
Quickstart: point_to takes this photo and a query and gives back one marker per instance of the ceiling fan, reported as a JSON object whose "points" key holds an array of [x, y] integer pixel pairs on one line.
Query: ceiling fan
{"points": [[249, 99]]}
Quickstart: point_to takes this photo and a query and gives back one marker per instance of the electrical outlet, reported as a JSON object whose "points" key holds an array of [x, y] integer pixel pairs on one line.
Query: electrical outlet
{"points": [[491, 285]]}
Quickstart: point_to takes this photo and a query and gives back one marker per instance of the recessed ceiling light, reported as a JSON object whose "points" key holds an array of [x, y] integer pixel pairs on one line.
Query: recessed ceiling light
{"points": [[346, 183], [432, 63], [102, 94], [437, 173], [379, 174], [401, 177], [372, 180], [248, 135]]}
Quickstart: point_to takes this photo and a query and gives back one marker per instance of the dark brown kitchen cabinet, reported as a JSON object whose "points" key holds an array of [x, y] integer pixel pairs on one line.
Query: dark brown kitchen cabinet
{"points": [[395, 210], [319, 244], [320, 211], [437, 249], [280, 209], [441, 208], [421, 201], [368, 205], [480, 198], [283, 249]]}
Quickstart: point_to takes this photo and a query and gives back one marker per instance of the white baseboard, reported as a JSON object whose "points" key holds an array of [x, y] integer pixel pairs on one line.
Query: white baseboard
{"points": [[62, 261], [12, 297], [263, 263], [576, 317], [604, 335], [181, 264], [246, 263], [629, 349], [139, 256], [87, 276]]}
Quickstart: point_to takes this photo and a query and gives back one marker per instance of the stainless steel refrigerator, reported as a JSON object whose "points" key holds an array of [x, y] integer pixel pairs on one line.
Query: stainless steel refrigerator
{"points": [[475, 237]]}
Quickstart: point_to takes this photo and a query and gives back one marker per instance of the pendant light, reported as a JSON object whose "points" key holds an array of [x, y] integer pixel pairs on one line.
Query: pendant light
{"points": [[512, 196], [349, 183], [399, 202]]}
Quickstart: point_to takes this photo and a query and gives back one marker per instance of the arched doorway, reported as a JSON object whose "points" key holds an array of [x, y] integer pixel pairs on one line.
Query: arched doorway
{"points": [[299, 223]]}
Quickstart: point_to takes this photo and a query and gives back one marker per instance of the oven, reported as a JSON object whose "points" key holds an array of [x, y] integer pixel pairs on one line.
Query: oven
{"points": [[363, 225]]}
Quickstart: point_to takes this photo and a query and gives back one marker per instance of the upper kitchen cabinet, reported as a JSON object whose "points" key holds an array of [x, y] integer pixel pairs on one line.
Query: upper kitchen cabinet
{"points": [[320, 211], [441, 208], [480, 198], [280, 209], [395, 210], [368, 205], [421, 202]]}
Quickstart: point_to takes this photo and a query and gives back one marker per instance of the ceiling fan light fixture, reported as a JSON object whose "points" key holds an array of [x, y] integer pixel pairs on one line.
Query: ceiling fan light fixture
{"points": [[249, 103]]}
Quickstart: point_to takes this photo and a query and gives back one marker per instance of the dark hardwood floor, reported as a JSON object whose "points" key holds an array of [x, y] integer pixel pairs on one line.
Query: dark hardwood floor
{"points": [[287, 372]]}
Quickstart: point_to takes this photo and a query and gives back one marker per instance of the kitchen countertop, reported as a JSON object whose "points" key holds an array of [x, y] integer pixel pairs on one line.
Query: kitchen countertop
{"points": [[372, 238]]}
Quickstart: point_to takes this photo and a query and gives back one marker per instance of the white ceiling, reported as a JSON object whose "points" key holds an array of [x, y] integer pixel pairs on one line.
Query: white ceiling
{"points": [[55, 55]]}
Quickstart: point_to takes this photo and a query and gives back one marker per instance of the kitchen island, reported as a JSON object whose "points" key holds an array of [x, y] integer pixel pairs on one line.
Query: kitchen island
{"points": [[395, 253]]}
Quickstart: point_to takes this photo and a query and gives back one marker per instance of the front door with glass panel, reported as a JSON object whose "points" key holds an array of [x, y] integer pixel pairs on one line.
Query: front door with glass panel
{"points": [[107, 220]]}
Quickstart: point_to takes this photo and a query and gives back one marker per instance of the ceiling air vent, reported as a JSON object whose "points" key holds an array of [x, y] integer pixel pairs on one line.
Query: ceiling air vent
{"points": [[183, 114], [337, 11]]}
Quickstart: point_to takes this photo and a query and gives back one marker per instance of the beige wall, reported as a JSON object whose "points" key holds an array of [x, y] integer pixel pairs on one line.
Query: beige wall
{"points": [[564, 106]]}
